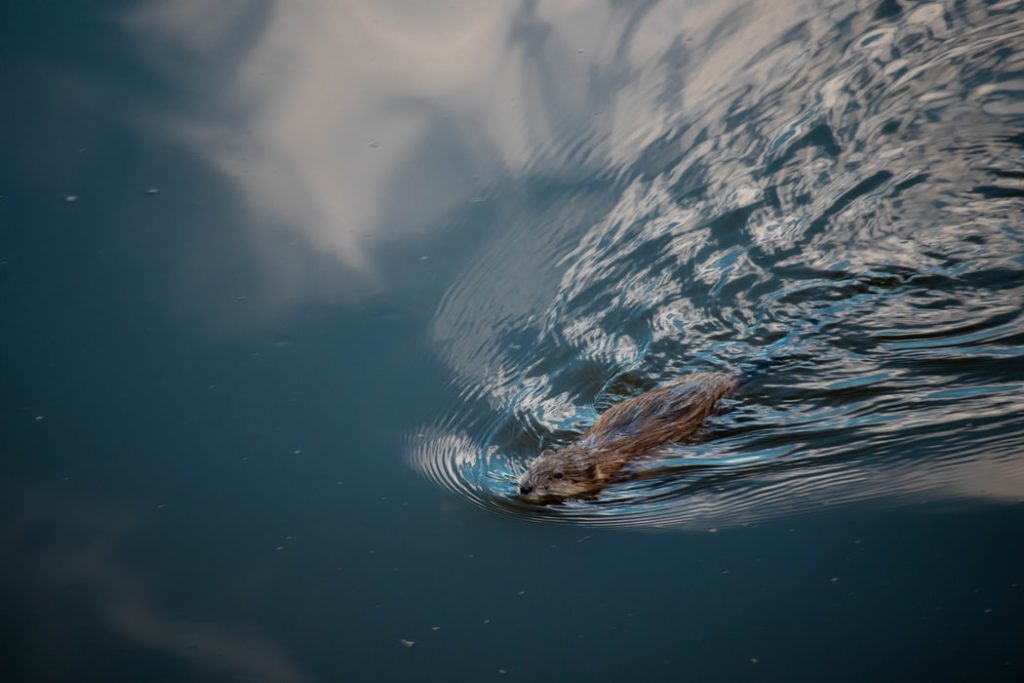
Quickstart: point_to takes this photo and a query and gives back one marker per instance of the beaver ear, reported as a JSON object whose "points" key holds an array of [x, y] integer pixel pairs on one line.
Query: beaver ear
{"points": [[598, 472]]}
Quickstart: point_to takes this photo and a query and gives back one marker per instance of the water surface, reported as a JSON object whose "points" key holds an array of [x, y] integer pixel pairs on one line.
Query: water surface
{"points": [[293, 292]]}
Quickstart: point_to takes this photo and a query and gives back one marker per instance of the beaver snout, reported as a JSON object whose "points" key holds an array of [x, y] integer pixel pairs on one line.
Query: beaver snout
{"points": [[530, 489]]}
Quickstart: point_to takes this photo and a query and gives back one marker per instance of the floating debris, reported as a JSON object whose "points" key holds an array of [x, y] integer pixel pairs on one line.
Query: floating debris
{"points": [[407, 643]]}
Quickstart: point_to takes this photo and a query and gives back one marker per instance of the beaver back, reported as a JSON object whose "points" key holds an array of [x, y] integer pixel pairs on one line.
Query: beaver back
{"points": [[666, 415]]}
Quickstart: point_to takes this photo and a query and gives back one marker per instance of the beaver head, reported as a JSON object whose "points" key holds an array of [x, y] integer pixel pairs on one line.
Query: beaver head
{"points": [[567, 473]]}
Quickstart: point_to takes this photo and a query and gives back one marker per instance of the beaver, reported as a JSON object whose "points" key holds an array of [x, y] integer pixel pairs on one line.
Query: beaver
{"points": [[638, 426]]}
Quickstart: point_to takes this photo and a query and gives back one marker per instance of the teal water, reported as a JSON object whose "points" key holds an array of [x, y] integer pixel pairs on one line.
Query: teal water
{"points": [[293, 291]]}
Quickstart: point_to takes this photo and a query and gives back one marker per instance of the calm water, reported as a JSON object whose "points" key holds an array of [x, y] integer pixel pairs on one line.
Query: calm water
{"points": [[292, 292]]}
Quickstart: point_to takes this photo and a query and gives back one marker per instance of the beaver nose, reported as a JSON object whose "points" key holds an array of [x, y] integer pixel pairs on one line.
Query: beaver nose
{"points": [[524, 489]]}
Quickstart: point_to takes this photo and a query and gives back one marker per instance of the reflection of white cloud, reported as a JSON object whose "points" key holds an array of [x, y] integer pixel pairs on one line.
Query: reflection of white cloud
{"points": [[305, 129], [328, 103], [361, 123], [76, 567], [194, 25]]}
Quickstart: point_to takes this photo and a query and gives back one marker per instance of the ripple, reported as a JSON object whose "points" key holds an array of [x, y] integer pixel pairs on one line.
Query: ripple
{"points": [[845, 208]]}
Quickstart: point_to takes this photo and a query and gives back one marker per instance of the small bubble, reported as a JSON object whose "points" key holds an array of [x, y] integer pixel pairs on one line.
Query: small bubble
{"points": [[38, 418], [754, 660], [712, 530], [834, 579], [297, 452], [280, 547], [71, 198], [407, 643], [502, 671], [487, 621], [435, 628]]}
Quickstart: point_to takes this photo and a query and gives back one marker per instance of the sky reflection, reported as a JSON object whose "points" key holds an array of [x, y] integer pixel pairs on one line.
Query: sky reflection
{"points": [[68, 552], [357, 125], [668, 185]]}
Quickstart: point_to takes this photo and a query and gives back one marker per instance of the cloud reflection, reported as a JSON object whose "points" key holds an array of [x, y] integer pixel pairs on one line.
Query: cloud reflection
{"points": [[675, 185], [64, 552], [352, 124], [361, 124]]}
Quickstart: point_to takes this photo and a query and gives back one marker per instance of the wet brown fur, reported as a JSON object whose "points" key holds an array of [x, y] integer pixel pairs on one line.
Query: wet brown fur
{"points": [[635, 427]]}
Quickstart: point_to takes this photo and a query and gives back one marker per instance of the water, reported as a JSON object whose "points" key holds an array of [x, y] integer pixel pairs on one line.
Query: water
{"points": [[847, 208], [292, 293]]}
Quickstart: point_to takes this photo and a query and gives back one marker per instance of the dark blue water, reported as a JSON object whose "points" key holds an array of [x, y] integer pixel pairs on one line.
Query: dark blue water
{"points": [[292, 292]]}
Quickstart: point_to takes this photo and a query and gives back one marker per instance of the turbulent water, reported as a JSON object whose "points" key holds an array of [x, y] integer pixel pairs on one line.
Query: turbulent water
{"points": [[835, 190]]}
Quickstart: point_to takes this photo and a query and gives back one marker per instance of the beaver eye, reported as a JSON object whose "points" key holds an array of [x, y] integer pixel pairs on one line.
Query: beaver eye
{"points": [[558, 475]]}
